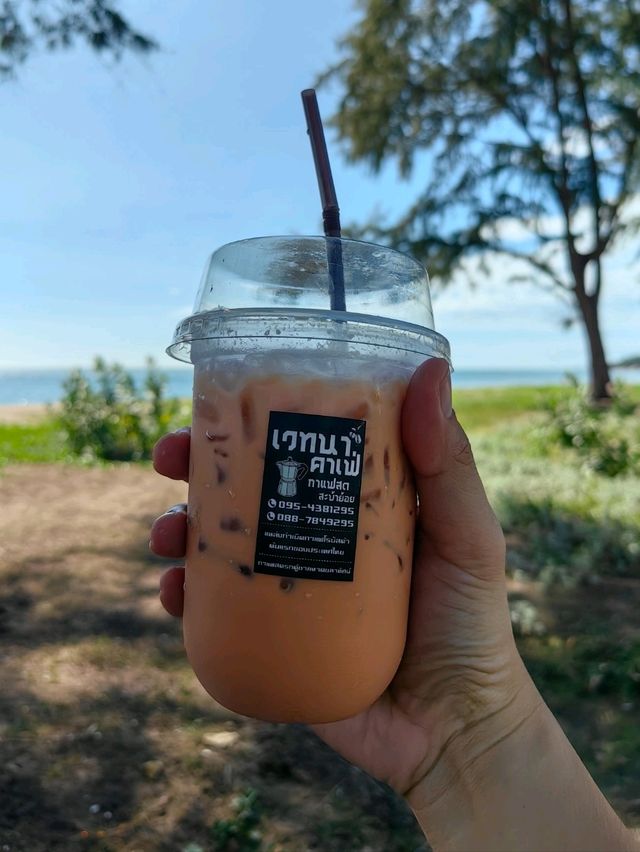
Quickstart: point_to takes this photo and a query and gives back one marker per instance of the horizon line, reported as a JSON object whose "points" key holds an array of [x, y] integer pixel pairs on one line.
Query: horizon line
{"points": [[177, 367]]}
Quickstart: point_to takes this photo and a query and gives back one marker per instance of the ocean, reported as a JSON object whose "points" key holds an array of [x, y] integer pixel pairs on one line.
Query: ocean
{"points": [[20, 387]]}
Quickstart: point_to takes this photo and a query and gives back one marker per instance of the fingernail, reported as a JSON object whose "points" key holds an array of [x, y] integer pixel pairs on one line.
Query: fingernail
{"points": [[445, 394], [182, 430], [179, 507]]}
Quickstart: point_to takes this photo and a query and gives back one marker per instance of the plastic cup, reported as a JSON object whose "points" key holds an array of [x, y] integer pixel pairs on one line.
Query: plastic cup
{"points": [[301, 502]]}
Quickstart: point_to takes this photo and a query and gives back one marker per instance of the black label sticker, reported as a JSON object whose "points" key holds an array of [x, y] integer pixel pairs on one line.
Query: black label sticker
{"points": [[308, 523]]}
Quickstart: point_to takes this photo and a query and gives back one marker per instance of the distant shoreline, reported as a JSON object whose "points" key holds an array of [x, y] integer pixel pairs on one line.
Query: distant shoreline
{"points": [[25, 394], [27, 412]]}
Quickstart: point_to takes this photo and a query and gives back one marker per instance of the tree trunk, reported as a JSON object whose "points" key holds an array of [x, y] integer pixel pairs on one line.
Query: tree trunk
{"points": [[600, 379]]}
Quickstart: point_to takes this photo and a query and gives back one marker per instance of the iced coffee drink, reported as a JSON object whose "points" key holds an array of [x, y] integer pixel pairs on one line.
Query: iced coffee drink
{"points": [[301, 504], [301, 515]]}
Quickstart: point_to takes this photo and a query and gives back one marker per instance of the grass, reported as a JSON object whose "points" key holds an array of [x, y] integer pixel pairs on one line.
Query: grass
{"points": [[42, 441], [480, 408]]}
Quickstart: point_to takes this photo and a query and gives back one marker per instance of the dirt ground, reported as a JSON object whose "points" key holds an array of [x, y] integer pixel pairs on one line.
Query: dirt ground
{"points": [[107, 742]]}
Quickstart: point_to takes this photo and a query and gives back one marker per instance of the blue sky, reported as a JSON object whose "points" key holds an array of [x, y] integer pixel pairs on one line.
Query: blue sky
{"points": [[119, 181]]}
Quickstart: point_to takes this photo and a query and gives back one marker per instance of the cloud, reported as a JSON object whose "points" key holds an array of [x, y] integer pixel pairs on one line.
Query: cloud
{"points": [[519, 324]]}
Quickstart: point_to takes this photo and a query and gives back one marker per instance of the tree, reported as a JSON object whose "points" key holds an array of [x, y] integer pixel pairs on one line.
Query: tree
{"points": [[26, 25], [529, 111]]}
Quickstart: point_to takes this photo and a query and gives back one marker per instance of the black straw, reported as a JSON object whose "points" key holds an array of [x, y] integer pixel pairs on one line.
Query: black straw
{"points": [[328, 198]]}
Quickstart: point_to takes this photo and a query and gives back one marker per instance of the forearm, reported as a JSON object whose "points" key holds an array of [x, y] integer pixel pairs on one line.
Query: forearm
{"points": [[524, 788]]}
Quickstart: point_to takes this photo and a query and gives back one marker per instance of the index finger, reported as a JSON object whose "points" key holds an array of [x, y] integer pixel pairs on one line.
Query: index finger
{"points": [[171, 454]]}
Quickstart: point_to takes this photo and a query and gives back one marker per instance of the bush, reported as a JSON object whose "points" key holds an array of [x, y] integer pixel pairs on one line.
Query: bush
{"points": [[586, 665], [242, 831], [561, 544], [607, 438], [109, 418]]}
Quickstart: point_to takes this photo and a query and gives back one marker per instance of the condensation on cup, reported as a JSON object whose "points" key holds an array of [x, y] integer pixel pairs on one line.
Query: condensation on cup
{"points": [[301, 502]]}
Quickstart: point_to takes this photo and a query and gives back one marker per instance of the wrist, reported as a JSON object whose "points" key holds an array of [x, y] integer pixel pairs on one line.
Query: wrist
{"points": [[512, 781], [496, 729]]}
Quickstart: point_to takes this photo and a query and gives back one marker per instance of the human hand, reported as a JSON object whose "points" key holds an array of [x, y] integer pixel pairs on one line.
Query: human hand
{"points": [[460, 671], [461, 731]]}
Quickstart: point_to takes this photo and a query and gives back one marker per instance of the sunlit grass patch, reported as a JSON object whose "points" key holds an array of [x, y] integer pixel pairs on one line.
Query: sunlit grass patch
{"points": [[42, 441]]}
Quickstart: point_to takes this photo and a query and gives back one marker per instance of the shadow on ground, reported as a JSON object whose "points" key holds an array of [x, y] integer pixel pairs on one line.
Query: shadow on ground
{"points": [[107, 742]]}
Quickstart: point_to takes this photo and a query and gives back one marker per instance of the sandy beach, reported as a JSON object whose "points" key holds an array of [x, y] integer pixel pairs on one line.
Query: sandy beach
{"points": [[25, 413]]}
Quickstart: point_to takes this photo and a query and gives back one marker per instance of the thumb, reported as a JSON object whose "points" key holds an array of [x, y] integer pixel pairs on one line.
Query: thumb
{"points": [[454, 513]]}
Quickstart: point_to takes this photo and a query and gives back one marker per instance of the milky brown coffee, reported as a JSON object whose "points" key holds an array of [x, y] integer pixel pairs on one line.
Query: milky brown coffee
{"points": [[285, 648]]}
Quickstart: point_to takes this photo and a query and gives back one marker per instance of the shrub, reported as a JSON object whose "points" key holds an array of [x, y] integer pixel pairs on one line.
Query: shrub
{"points": [[607, 438], [584, 665], [564, 544], [109, 418]]}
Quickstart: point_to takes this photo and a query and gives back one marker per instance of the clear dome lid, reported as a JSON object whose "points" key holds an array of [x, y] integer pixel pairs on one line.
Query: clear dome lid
{"points": [[284, 287]]}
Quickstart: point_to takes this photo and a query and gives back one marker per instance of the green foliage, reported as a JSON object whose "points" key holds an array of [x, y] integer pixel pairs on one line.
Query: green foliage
{"points": [[590, 665], [113, 420], [240, 833], [565, 522], [607, 439], [514, 466], [565, 544], [478, 408], [27, 26], [42, 441], [503, 96], [529, 114]]}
